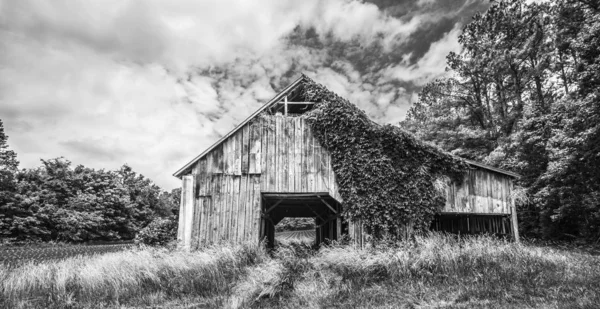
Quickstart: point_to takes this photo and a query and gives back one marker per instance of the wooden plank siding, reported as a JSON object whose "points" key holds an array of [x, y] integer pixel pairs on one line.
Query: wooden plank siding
{"points": [[481, 192], [221, 198], [269, 154]]}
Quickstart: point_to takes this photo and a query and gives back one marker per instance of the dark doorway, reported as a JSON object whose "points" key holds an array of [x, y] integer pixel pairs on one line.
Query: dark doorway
{"points": [[321, 206]]}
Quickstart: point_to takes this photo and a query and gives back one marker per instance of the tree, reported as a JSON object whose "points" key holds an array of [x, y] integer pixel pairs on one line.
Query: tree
{"points": [[522, 94], [8, 168]]}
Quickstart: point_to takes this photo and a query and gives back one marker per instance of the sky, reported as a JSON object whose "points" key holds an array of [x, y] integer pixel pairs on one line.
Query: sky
{"points": [[154, 83]]}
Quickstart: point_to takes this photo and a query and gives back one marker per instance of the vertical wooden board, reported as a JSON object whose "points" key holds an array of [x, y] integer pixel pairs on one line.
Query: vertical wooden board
{"points": [[208, 215], [217, 209], [482, 192], [218, 159], [448, 204], [257, 208], [206, 220], [231, 212], [298, 149], [248, 209], [513, 216], [214, 218], [306, 157], [209, 167], [272, 158], [221, 209], [245, 151], [503, 197], [241, 221], [203, 222], [238, 141], [502, 194], [255, 159], [472, 192], [229, 207], [251, 148], [199, 173], [497, 193], [267, 154], [199, 218], [284, 150], [195, 224], [226, 155], [326, 157], [490, 190], [289, 155], [264, 145], [224, 207], [235, 214], [278, 170], [186, 214], [463, 194], [316, 164], [257, 135]]}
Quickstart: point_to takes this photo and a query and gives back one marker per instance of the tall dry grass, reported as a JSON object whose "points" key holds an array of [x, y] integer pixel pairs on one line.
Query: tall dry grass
{"points": [[433, 271], [441, 271], [126, 277]]}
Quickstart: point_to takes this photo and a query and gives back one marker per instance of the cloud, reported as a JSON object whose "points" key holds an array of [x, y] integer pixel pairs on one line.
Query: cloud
{"points": [[153, 83], [431, 65]]}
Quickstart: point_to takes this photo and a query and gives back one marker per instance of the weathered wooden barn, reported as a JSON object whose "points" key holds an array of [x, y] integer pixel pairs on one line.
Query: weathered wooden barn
{"points": [[271, 167]]}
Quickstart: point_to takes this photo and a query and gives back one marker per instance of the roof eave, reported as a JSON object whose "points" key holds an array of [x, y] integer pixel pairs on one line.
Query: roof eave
{"points": [[491, 168]]}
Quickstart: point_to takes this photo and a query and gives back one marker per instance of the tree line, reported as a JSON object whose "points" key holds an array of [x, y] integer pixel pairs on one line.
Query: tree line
{"points": [[61, 202], [524, 94]]}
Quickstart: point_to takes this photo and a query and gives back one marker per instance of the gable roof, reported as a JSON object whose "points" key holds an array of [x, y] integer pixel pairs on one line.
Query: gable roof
{"points": [[276, 99]]}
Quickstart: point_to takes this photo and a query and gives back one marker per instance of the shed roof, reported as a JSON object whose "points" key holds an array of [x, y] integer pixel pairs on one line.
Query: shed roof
{"points": [[276, 99]]}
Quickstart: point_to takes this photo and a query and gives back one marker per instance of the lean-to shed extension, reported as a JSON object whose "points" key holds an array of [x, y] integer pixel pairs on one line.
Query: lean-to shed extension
{"points": [[271, 166]]}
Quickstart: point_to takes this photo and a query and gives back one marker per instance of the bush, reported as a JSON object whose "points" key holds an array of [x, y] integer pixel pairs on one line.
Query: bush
{"points": [[295, 224], [159, 232]]}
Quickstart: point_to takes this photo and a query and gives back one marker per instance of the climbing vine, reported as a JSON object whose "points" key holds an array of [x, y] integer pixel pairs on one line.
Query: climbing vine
{"points": [[386, 177]]}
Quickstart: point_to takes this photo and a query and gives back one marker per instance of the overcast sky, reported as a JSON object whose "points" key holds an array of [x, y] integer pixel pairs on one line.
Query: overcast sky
{"points": [[153, 83]]}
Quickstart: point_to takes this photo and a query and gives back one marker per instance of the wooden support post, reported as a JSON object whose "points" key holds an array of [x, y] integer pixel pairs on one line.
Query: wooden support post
{"points": [[286, 106], [314, 212], [327, 204], [186, 212], [274, 205], [338, 228], [514, 222]]}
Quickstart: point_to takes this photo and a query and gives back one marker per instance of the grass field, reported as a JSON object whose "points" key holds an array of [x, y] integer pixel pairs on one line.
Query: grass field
{"points": [[15, 256], [429, 272], [307, 236]]}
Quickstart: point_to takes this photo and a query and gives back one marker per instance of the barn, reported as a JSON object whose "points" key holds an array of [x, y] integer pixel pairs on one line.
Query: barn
{"points": [[271, 167]]}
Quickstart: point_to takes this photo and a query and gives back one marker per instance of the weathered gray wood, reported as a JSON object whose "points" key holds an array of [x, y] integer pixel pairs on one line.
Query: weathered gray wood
{"points": [[289, 131], [257, 207], [299, 174], [237, 140], [271, 158], [278, 171], [514, 221], [245, 153], [255, 148], [236, 210], [279, 154], [186, 212]]}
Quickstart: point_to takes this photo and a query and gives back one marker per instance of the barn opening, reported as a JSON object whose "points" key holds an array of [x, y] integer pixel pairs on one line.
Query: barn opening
{"points": [[321, 206]]}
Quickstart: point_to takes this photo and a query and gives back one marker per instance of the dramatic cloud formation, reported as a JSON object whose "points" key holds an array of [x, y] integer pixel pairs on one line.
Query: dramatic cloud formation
{"points": [[153, 83]]}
